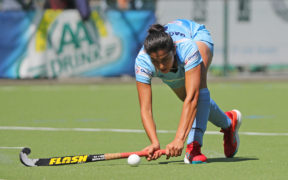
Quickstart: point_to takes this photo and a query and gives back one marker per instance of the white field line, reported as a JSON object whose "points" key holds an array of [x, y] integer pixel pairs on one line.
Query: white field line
{"points": [[11, 148], [18, 128]]}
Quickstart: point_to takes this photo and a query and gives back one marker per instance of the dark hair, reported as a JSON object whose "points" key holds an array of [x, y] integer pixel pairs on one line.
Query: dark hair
{"points": [[158, 39]]}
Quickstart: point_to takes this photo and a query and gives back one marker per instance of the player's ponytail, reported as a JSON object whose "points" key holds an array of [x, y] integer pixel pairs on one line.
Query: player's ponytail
{"points": [[158, 39]]}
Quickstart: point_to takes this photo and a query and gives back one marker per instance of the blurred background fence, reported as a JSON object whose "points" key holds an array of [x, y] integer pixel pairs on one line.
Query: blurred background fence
{"points": [[78, 38], [249, 35]]}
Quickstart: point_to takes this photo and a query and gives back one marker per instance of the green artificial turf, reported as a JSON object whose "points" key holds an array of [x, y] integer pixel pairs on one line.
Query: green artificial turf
{"points": [[263, 106]]}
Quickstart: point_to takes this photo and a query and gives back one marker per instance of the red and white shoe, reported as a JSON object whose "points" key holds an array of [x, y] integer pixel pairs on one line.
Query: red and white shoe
{"points": [[193, 154], [231, 136]]}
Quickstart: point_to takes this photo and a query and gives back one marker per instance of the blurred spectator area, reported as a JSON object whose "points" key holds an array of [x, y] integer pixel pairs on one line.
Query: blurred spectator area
{"points": [[12, 5], [131, 4], [60, 4]]}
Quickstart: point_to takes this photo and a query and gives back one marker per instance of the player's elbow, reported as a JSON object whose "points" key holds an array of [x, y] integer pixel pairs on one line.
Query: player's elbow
{"points": [[192, 98]]}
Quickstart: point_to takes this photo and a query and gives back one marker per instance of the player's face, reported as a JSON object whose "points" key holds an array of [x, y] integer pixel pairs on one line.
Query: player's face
{"points": [[163, 60]]}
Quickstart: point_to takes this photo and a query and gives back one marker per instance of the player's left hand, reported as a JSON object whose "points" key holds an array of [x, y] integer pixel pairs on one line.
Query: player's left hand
{"points": [[175, 148]]}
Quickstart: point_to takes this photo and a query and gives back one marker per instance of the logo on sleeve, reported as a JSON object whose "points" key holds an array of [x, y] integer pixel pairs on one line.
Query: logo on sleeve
{"points": [[192, 58], [143, 72], [176, 22]]}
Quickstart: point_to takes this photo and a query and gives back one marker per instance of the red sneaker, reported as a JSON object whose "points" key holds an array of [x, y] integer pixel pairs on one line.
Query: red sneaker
{"points": [[193, 154], [231, 136]]}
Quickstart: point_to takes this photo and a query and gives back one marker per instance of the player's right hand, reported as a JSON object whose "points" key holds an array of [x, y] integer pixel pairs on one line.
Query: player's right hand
{"points": [[153, 154]]}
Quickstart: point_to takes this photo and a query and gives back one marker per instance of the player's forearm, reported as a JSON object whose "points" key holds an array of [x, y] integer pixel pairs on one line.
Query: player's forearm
{"points": [[145, 100], [187, 117], [149, 126]]}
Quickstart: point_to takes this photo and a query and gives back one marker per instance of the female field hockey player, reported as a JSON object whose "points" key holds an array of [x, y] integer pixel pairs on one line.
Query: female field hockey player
{"points": [[180, 53]]}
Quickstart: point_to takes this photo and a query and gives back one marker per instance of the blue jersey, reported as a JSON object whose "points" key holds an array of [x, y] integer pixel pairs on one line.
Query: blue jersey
{"points": [[184, 34]]}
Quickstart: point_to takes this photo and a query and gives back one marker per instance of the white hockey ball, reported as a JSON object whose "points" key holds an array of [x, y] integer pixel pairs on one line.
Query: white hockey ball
{"points": [[134, 160]]}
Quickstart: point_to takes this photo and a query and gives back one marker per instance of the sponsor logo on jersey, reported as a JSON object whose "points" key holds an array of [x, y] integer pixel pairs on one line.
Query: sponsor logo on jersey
{"points": [[143, 72], [68, 160], [192, 58], [177, 34]]}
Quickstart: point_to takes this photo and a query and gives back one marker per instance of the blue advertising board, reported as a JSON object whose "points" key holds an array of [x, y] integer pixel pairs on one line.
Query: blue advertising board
{"points": [[58, 43]]}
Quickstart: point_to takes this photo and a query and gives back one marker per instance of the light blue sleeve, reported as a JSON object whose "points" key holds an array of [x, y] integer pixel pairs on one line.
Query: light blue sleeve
{"points": [[143, 69], [189, 54]]}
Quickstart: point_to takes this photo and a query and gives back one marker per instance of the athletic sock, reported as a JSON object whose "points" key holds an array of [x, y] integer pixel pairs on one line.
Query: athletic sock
{"points": [[218, 117], [200, 122]]}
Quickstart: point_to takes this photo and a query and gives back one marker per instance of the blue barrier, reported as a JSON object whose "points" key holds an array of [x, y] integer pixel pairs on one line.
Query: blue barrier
{"points": [[57, 43]]}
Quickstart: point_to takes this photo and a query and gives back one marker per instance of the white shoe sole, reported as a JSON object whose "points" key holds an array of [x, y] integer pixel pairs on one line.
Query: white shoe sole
{"points": [[186, 161], [239, 121]]}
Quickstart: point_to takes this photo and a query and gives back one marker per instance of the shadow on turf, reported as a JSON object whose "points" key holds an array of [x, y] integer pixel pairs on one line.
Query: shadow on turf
{"points": [[215, 160], [235, 159]]}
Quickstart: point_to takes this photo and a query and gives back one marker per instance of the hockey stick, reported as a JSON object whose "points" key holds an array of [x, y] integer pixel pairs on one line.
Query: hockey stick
{"points": [[66, 160]]}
